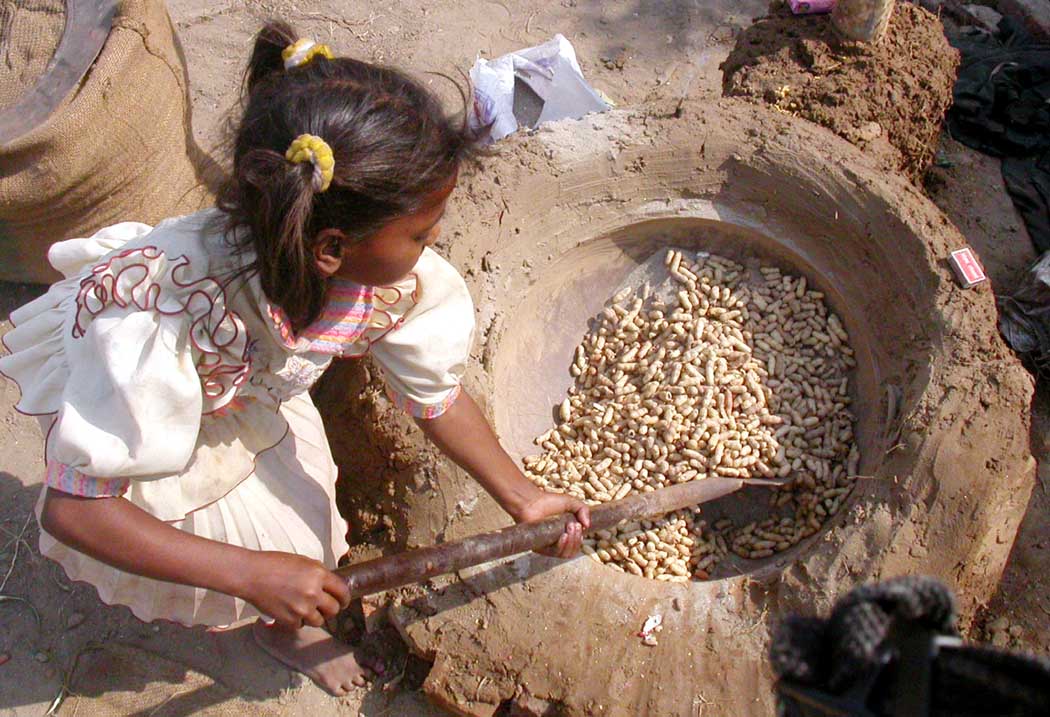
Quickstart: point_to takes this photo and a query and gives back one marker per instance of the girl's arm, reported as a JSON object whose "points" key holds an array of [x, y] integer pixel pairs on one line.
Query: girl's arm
{"points": [[463, 434], [291, 589]]}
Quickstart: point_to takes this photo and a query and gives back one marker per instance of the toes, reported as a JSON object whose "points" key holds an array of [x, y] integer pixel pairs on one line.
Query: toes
{"points": [[359, 679]]}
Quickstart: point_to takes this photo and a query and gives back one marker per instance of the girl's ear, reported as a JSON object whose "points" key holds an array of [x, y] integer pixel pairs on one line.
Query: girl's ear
{"points": [[328, 251]]}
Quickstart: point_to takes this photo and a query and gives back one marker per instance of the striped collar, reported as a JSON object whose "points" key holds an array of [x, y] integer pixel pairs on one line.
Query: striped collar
{"points": [[353, 318], [344, 318]]}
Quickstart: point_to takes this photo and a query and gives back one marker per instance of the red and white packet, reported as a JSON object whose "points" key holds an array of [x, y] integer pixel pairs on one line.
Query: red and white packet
{"points": [[811, 7], [968, 270]]}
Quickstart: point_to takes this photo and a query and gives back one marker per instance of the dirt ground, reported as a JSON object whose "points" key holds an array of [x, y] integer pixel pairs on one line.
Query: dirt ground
{"points": [[888, 99], [60, 640], [968, 188]]}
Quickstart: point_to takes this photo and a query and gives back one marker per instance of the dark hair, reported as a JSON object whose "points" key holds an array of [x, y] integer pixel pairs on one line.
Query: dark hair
{"points": [[393, 146]]}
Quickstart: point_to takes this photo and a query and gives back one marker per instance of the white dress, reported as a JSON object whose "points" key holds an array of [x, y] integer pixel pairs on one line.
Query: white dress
{"points": [[159, 375]]}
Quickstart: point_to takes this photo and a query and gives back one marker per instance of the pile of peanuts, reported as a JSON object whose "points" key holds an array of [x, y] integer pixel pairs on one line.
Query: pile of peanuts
{"points": [[743, 375]]}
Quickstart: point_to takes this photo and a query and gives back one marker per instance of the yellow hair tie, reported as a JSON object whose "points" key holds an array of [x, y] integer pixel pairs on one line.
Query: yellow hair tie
{"points": [[302, 51], [313, 149]]}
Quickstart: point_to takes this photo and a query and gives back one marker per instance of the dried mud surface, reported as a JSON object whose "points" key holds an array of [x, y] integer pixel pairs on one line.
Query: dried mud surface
{"points": [[888, 99], [376, 448], [943, 405]]}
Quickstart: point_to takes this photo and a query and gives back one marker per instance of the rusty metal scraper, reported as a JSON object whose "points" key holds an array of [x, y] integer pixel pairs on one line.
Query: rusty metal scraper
{"points": [[413, 566]]}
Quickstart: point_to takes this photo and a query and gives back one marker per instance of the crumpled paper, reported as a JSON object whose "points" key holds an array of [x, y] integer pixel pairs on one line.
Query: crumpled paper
{"points": [[529, 87]]}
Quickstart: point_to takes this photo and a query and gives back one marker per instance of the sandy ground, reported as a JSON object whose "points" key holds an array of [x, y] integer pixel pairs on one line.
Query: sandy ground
{"points": [[888, 100], [968, 188], [59, 637]]}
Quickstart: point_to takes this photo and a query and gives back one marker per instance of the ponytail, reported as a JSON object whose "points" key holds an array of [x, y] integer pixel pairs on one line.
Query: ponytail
{"points": [[282, 197], [266, 58]]}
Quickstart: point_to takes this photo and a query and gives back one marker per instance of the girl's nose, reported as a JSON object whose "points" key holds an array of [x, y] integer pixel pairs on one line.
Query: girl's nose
{"points": [[432, 238]]}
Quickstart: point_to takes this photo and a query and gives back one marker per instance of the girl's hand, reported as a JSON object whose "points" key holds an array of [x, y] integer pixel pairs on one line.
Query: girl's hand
{"points": [[464, 435], [293, 590], [547, 504]]}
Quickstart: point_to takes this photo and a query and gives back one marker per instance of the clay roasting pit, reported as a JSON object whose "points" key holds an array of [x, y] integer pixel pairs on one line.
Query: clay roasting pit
{"points": [[719, 290], [734, 293]]}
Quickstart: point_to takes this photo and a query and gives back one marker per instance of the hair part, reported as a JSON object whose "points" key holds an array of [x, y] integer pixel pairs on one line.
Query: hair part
{"points": [[393, 145]]}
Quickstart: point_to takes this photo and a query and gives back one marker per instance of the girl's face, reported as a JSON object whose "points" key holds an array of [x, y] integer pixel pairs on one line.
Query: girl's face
{"points": [[390, 254]]}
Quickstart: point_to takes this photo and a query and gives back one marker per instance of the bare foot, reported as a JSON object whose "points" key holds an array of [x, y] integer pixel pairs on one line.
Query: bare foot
{"points": [[315, 653]]}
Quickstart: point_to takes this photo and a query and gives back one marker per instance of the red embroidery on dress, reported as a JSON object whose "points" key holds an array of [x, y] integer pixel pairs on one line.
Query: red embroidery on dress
{"points": [[392, 325], [216, 333]]}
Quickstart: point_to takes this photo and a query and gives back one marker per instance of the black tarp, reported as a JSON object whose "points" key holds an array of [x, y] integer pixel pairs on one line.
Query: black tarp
{"points": [[1002, 108]]}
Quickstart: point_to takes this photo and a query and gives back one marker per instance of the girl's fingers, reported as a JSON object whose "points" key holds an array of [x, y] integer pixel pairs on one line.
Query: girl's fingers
{"points": [[337, 588], [583, 514], [567, 547], [566, 552], [315, 619], [577, 539], [569, 542], [364, 678], [562, 542], [328, 605]]}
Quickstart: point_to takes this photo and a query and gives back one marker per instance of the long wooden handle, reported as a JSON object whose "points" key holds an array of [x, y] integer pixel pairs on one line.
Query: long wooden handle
{"points": [[413, 566]]}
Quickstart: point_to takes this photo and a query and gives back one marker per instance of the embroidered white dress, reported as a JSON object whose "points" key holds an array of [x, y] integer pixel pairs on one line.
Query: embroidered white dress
{"points": [[159, 375]]}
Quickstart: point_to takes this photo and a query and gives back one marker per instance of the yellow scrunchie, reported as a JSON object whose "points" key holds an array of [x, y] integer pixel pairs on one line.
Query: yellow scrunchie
{"points": [[302, 51], [313, 149]]}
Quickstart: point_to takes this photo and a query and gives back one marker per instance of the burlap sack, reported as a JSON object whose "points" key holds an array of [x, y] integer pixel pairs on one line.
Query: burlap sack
{"points": [[29, 33], [119, 149]]}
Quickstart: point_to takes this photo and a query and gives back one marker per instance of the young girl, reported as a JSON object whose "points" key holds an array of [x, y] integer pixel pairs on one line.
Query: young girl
{"points": [[188, 473]]}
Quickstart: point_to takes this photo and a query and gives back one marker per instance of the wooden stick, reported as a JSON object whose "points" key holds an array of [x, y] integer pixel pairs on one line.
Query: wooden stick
{"points": [[413, 566]]}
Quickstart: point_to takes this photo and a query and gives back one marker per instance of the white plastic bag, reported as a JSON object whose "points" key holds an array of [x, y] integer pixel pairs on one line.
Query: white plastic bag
{"points": [[529, 87]]}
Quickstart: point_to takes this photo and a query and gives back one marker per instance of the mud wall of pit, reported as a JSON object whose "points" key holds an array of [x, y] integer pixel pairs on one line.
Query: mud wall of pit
{"points": [[942, 418]]}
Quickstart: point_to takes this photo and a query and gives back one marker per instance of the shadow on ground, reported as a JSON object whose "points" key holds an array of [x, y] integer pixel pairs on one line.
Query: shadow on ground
{"points": [[1018, 616], [65, 644]]}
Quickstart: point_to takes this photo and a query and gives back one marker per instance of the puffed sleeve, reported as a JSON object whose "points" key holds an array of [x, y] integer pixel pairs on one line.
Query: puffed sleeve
{"points": [[131, 407], [423, 360], [107, 368]]}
